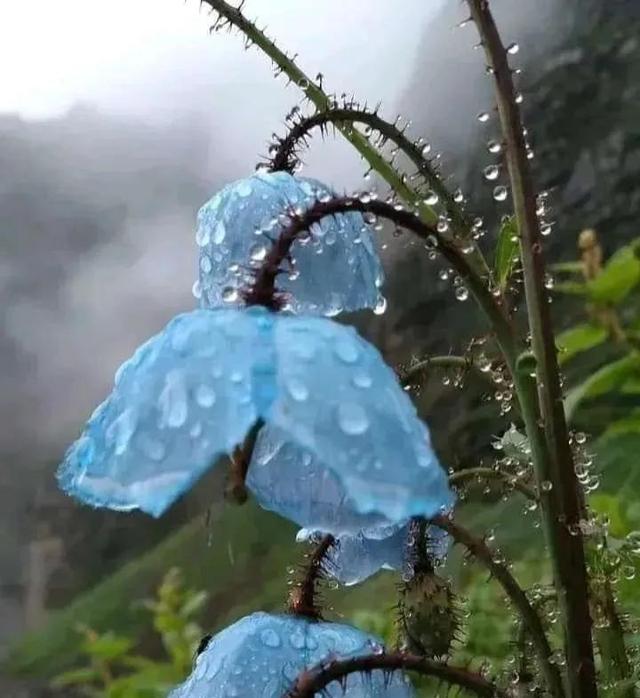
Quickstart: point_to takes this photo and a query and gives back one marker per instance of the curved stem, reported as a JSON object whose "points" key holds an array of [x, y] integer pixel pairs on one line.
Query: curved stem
{"points": [[302, 598], [263, 291], [478, 549], [492, 474], [352, 115], [564, 506], [314, 681]]}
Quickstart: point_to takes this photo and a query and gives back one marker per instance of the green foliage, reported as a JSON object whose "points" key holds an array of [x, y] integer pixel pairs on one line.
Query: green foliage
{"points": [[507, 251], [114, 671], [578, 339], [619, 277]]}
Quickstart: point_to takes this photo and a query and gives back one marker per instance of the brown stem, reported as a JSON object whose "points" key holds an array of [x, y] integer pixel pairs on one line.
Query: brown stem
{"points": [[236, 490], [302, 598], [314, 681], [564, 505], [478, 549]]}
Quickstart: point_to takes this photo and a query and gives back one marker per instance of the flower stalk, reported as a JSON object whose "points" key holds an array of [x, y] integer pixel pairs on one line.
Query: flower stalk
{"points": [[554, 460]]}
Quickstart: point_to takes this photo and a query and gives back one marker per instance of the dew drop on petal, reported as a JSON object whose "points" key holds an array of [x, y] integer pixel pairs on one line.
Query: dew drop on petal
{"points": [[352, 419], [297, 389], [346, 351], [219, 233], [205, 396], [270, 638], [381, 306]]}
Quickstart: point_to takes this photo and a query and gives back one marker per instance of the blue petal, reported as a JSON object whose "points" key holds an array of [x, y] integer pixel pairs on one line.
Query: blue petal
{"points": [[262, 655], [338, 400], [354, 558], [338, 269], [186, 397], [289, 480]]}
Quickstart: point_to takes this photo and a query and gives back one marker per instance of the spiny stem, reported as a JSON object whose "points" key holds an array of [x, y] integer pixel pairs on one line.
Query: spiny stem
{"points": [[322, 102], [263, 291], [493, 474], [314, 681], [352, 115], [302, 599], [564, 505], [478, 549]]}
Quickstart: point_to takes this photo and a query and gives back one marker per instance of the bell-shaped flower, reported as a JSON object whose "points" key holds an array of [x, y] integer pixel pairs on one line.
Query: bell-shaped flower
{"points": [[354, 558], [193, 392], [335, 268], [262, 655]]}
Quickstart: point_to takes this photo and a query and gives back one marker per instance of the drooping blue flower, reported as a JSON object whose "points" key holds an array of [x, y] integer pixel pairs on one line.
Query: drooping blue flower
{"points": [[336, 268], [191, 394], [354, 558], [262, 655]]}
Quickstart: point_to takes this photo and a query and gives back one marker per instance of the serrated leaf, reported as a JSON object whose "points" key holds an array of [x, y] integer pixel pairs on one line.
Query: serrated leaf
{"points": [[619, 277], [610, 377], [578, 339], [507, 251]]}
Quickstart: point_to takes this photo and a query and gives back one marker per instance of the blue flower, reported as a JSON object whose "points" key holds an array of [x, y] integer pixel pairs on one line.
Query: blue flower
{"points": [[336, 268], [191, 394], [263, 654], [354, 558]]}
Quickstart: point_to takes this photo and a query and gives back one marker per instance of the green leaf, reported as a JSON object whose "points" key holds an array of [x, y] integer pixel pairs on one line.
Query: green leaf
{"points": [[75, 677], [604, 380], [507, 251], [572, 288], [108, 646], [618, 278], [628, 425], [578, 339], [614, 509], [567, 267]]}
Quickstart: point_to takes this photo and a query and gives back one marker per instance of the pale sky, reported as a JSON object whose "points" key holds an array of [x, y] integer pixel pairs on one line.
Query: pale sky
{"points": [[135, 55]]}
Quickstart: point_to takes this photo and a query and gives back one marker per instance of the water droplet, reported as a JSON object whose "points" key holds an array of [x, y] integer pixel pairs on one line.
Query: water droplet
{"points": [[203, 236], [462, 293], [548, 281], [512, 49], [492, 172], [362, 380], [172, 402], [297, 389], [196, 289], [230, 294], [500, 193], [205, 264], [270, 638], [443, 225], [380, 306], [346, 350], [431, 199], [258, 252], [494, 147], [458, 196], [426, 149], [483, 117], [205, 396], [352, 419], [546, 486], [219, 233]]}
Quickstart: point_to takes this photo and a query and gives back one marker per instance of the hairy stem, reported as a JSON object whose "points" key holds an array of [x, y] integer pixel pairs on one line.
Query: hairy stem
{"points": [[493, 474], [479, 550], [314, 681], [564, 505], [302, 598], [461, 363], [352, 115]]}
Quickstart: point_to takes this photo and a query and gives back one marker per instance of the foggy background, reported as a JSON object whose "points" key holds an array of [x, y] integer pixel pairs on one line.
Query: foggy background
{"points": [[117, 121]]}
